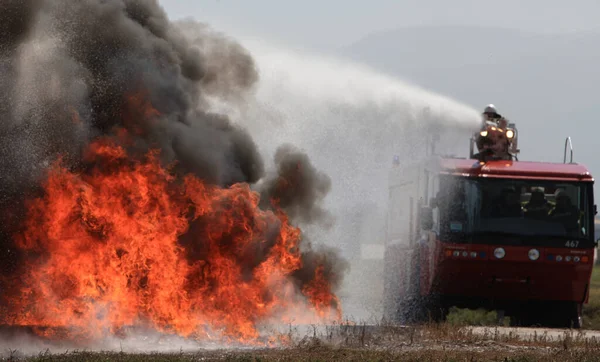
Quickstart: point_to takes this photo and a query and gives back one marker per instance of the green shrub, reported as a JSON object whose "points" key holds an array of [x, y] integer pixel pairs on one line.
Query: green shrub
{"points": [[479, 317]]}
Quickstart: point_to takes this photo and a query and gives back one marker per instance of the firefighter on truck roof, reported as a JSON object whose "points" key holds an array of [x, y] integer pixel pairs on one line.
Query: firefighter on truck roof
{"points": [[494, 143], [490, 113]]}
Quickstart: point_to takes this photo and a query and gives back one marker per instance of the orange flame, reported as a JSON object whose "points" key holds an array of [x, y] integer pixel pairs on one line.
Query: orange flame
{"points": [[130, 244], [320, 295]]}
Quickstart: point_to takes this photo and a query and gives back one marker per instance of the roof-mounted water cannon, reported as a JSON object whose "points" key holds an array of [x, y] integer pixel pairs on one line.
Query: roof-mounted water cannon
{"points": [[496, 140]]}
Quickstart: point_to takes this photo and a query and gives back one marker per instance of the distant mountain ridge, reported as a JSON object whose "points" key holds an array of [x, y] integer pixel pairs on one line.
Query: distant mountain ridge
{"points": [[466, 44]]}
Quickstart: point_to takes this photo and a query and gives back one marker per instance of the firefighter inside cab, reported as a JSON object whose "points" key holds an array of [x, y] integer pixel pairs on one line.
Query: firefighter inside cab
{"points": [[495, 139], [512, 202]]}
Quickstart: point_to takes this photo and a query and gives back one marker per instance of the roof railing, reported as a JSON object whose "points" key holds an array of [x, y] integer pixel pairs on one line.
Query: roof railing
{"points": [[570, 145]]}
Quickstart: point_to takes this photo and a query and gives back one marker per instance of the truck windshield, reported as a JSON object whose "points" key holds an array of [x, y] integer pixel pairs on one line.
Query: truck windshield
{"points": [[506, 209]]}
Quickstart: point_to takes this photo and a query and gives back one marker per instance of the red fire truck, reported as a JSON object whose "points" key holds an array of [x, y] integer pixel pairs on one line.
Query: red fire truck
{"points": [[489, 231]]}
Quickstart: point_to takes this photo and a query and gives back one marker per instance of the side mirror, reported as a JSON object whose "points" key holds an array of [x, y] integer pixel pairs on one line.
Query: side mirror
{"points": [[426, 218], [595, 209]]}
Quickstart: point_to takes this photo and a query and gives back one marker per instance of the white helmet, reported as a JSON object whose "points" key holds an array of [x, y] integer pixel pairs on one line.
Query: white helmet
{"points": [[490, 108]]}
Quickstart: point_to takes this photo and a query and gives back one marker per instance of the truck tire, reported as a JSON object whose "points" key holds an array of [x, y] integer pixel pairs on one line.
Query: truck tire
{"points": [[549, 315], [574, 315], [438, 311], [564, 315]]}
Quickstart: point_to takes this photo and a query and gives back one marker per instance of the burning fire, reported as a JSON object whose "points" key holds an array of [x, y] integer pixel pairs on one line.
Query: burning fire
{"points": [[129, 242]]}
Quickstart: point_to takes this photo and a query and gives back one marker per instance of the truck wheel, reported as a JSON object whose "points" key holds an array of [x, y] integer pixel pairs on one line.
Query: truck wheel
{"points": [[560, 315], [567, 315], [576, 315], [425, 310], [412, 310], [436, 309], [524, 317]]}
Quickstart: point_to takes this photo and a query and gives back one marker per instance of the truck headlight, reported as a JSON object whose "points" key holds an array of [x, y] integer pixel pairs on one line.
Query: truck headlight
{"points": [[499, 253], [534, 254]]}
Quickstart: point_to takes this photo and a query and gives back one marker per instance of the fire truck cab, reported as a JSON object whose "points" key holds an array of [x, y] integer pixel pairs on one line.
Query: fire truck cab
{"points": [[489, 232]]}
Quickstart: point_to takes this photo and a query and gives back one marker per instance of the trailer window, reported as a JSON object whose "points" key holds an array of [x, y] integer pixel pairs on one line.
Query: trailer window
{"points": [[517, 207]]}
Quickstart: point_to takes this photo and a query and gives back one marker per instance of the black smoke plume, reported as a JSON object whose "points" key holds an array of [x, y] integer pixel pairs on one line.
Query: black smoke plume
{"points": [[70, 72], [297, 187]]}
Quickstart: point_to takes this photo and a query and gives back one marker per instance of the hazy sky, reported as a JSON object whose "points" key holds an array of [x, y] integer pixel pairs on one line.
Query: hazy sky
{"points": [[334, 23]]}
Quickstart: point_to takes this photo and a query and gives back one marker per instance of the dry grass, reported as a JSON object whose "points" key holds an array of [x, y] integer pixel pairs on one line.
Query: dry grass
{"points": [[443, 342], [337, 354]]}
